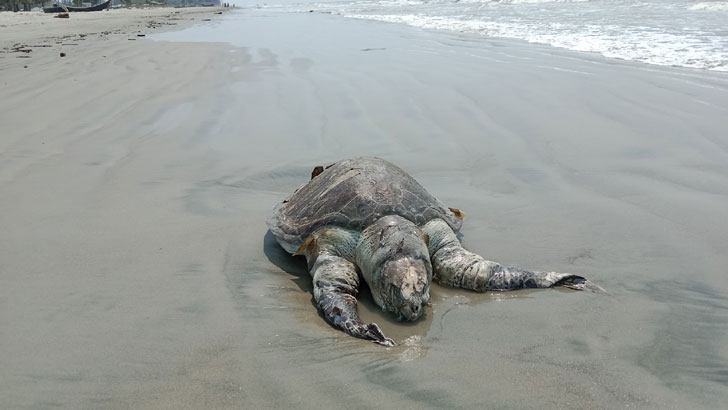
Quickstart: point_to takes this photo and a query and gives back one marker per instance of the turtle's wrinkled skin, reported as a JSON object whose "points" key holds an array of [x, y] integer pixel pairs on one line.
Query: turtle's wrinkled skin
{"points": [[366, 218]]}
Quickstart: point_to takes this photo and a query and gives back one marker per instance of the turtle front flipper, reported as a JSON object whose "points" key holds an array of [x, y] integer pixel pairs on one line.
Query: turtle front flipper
{"points": [[336, 283], [455, 266]]}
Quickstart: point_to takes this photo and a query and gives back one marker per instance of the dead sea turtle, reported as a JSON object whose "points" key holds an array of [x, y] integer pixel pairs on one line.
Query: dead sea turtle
{"points": [[366, 218]]}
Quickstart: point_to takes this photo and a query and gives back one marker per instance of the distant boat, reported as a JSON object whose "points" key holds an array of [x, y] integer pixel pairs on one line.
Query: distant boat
{"points": [[57, 9]]}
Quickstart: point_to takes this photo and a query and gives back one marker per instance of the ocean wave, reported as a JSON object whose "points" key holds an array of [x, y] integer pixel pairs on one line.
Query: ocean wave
{"points": [[507, 1], [687, 33], [612, 42], [493, 2], [531, 1], [710, 5]]}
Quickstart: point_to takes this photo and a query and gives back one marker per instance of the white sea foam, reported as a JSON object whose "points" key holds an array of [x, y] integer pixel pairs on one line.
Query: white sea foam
{"points": [[612, 42], [711, 5], [663, 32], [533, 1], [482, 1]]}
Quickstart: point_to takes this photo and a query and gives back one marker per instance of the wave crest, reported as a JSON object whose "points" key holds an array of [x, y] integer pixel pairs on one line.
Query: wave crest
{"points": [[710, 5]]}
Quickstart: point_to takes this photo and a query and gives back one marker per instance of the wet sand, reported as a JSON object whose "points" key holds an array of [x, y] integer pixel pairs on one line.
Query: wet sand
{"points": [[136, 177]]}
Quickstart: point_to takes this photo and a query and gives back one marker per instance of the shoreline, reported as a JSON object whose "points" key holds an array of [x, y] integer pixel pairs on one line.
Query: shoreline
{"points": [[546, 48]]}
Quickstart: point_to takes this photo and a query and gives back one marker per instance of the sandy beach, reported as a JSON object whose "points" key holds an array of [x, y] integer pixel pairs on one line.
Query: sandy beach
{"points": [[136, 174]]}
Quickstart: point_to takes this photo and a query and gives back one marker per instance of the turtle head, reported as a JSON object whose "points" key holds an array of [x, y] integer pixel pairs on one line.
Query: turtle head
{"points": [[406, 286], [394, 260]]}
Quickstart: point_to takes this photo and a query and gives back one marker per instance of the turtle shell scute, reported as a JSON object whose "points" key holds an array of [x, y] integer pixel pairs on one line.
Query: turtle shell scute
{"points": [[353, 194]]}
